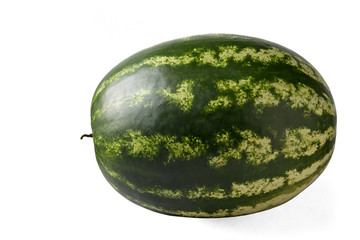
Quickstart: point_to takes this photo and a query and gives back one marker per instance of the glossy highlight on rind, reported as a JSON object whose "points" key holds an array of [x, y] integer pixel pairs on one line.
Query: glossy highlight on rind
{"points": [[213, 126]]}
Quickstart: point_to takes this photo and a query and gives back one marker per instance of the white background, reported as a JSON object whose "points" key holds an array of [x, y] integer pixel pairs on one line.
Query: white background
{"points": [[53, 54]]}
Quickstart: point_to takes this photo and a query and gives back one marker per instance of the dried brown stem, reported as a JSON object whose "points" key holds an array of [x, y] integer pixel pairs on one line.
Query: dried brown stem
{"points": [[86, 135]]}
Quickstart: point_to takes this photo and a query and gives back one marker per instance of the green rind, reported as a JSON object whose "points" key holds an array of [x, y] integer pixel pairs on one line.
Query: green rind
{"points": [[204, 207], [213, 126]]}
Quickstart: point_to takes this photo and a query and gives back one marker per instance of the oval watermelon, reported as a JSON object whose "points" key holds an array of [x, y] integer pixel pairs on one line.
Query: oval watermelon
{"points": [[213, 126]]}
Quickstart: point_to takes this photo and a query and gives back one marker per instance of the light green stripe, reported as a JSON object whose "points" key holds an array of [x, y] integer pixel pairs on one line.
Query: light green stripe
{"points": [[302, 141], [298, 142], [219, 102], [249, 188], [137, 145], [183, 96], [219, 58], [258, 149], [236, 211], [262, 93], [269, 94]]}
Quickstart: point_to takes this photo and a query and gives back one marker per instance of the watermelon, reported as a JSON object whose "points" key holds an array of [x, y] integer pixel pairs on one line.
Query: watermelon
{"points": [[213, 125]]}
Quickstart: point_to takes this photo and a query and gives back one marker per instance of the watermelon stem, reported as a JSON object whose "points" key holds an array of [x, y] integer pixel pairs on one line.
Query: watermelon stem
{"points": [[86, 135]]}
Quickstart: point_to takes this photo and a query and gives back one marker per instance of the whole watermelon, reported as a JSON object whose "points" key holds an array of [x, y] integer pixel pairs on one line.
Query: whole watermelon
{"points": [[213, 126]]}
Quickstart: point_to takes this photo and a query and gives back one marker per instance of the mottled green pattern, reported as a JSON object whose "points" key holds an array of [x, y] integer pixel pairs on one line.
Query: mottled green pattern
{"points": [[219, 58], [262, 94], [235, 211], [258, 150], [213, 126], [304, 142], [268, 94], [237, 190], [136, 145], [253, 149], [183, 96]]}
